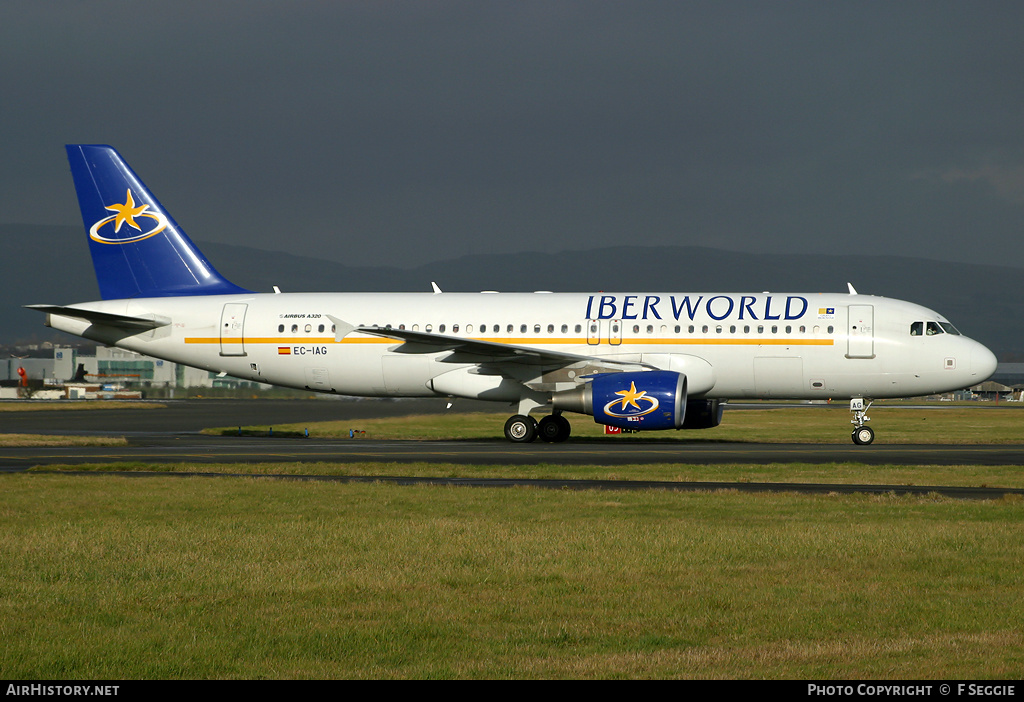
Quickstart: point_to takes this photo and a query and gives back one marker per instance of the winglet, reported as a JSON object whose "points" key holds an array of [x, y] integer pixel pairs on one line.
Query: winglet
{"points": [[850, 286], [437, 290], [341, 328]]}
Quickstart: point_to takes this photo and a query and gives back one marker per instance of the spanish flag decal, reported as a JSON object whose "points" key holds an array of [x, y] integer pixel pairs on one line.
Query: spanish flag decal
{"points": [[284, 350]]}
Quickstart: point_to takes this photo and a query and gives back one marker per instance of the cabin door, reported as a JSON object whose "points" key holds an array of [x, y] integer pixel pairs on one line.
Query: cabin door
{"points": [[860, 332], [232, 329]]}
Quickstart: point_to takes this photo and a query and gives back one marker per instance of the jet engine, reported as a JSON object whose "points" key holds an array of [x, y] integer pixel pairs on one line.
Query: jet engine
{"points": [[633, 400], [703, 414]]}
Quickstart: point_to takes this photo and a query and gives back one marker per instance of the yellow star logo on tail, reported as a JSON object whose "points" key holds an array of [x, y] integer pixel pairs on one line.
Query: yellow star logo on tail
{"points": [[127, 212]]}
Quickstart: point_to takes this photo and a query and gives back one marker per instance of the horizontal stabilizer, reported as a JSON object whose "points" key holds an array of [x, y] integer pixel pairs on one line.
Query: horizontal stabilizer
{"points": [[109, 319]]}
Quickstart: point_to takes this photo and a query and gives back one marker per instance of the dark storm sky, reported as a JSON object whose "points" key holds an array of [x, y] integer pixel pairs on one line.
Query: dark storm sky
{"points": [[397, 133]]}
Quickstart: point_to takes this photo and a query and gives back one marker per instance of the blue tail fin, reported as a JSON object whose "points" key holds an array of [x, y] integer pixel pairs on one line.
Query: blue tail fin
{"points": [[138, 250]]}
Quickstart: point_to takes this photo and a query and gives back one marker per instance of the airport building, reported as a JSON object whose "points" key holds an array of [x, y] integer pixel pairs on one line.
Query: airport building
{"points": [[111, 371]]}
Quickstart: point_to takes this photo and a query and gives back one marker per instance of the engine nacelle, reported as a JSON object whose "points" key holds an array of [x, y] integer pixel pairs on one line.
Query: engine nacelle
{"points": [[703, 414], [635, 400]]}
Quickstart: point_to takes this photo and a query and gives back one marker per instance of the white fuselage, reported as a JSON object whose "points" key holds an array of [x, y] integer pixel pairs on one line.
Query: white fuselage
{"points": [[730, 345]]}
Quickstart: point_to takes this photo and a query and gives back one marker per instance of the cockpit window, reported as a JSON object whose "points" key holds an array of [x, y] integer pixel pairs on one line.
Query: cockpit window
{"points": [[932, 328]]}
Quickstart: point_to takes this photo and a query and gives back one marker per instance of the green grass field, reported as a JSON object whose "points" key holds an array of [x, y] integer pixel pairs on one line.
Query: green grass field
{"points": [[895, 424], [57, 440], [104, 577], [78, 405]]}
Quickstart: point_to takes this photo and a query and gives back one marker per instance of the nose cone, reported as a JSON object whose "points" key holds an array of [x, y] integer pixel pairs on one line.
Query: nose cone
{"points": [[983, 363]]}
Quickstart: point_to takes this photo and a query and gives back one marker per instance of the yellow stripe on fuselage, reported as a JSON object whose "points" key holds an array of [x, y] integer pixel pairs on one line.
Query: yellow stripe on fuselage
{"points": [[636, 341]]}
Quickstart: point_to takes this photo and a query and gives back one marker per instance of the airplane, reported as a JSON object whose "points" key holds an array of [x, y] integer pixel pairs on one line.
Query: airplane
{"points": [[633, 361]]}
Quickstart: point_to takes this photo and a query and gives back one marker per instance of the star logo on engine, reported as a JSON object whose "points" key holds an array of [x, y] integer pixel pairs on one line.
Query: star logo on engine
{"points": [[630, 397], [632, 403]]}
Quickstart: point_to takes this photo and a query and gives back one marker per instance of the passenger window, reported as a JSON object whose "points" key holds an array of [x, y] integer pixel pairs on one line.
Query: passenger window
{"points": [[429, 328], [295, 328], [565, 328], [522, 328], [536, 329], [321, 328], [579, 328], [509, 328], [551, 329], [440, 329], [280, 328], [917, 329], [636, 328]]}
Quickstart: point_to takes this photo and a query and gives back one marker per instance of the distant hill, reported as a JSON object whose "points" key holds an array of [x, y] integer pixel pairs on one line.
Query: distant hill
{"points": [[52, 265]]}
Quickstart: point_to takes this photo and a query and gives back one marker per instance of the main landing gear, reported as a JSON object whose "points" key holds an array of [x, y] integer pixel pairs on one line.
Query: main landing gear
{"points": [[862, 434], [522, 428]]}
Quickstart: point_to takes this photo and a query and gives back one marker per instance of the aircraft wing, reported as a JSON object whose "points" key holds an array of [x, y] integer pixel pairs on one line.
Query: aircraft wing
{"points": [[109, 319], [486, 351]]}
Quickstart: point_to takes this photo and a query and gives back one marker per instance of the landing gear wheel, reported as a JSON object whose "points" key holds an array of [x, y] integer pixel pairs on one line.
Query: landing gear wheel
{"points": [[862, 436], [521, 429], [554, 428]]}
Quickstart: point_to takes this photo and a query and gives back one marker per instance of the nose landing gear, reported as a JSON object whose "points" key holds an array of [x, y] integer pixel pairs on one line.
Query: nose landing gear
{"points": [[862, 434]]}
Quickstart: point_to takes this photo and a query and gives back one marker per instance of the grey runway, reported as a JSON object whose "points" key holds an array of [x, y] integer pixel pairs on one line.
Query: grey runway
{"points": [[169, 448], [184, 416]]}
